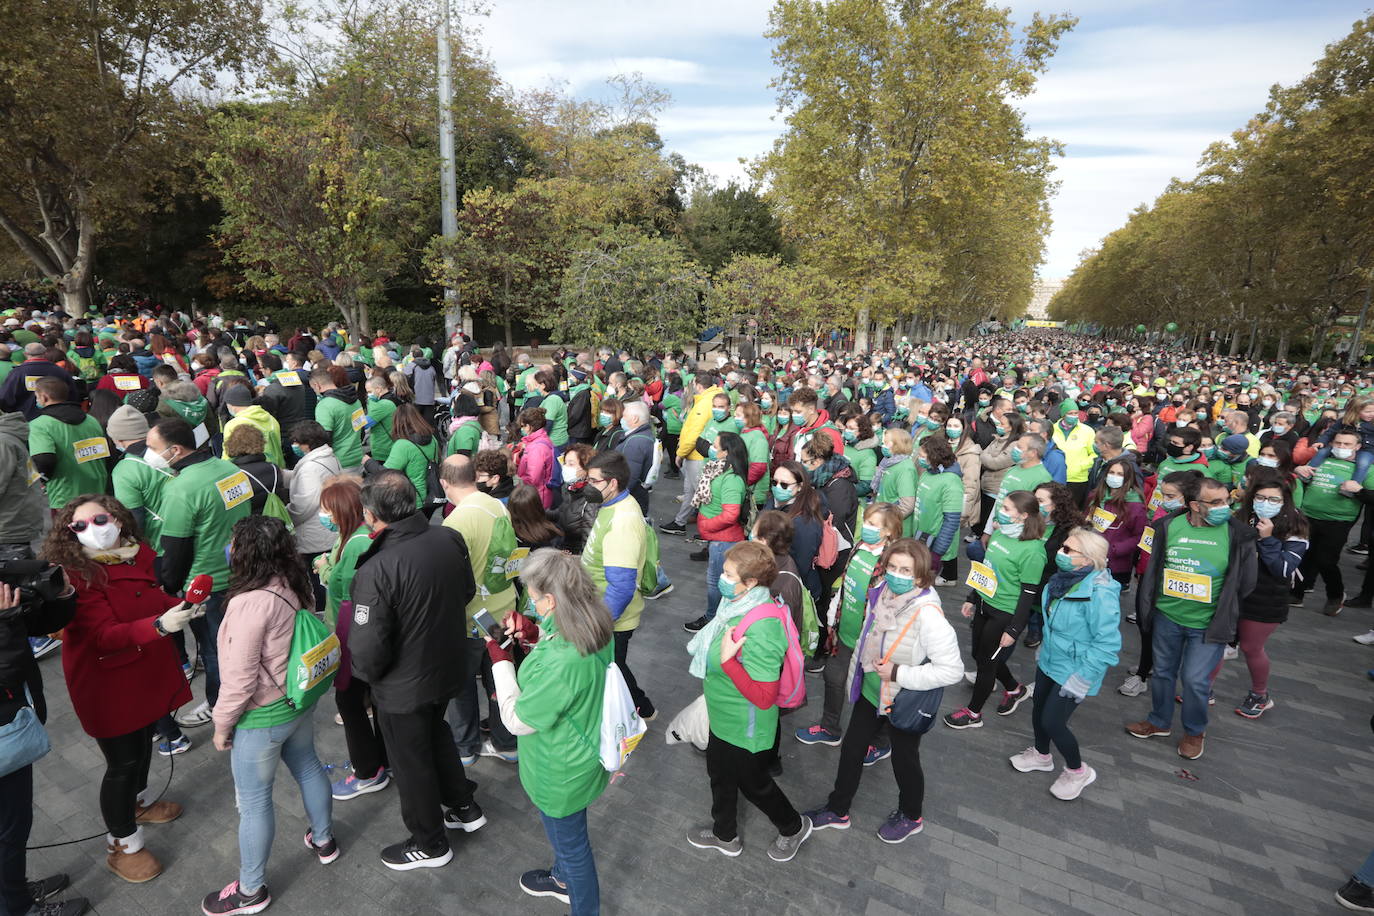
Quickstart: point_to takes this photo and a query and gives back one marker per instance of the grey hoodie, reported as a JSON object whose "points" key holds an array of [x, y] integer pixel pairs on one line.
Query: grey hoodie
{"points": [[22, 503]]}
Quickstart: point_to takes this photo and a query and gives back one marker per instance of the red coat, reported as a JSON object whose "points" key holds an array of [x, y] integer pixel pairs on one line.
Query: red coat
{"points": [[120, 673]]}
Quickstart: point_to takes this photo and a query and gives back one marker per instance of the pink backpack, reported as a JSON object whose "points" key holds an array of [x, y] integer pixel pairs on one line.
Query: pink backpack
{"points": [[792, 681], [829, 551]]}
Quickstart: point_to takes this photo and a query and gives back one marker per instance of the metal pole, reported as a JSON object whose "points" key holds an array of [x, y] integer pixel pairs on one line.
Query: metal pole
{"points": [[448, 179], [1357, 345]]}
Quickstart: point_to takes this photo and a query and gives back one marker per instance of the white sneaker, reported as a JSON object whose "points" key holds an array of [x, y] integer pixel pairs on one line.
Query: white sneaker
{"points": [[970, 677], [194, 718], [1070, 785], [1030, 760], [1365, 639], [1134, 686], [1230, 652]]}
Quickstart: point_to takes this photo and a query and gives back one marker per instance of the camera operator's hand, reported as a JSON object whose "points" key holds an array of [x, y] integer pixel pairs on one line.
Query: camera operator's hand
{"points": [[9, 597], [175, 620]]}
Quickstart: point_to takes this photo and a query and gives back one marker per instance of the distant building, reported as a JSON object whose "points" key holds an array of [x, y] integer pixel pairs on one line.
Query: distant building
{"points": [[1041, 294]]}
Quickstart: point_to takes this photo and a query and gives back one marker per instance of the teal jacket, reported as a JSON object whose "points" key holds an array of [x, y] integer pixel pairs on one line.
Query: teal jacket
{"points": [[1082, 631]]}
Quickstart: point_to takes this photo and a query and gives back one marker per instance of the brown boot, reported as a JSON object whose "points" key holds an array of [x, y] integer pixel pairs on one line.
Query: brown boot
{"points": [[159, 812], [134, 867]]}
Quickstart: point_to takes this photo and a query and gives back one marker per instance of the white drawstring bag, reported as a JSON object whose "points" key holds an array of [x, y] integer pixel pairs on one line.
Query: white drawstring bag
{"points": [[692, 724]]}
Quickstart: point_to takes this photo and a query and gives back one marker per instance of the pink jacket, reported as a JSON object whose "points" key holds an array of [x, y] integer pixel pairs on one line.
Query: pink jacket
{"points": [[254, 642], [1142, 431], [535, 466]]}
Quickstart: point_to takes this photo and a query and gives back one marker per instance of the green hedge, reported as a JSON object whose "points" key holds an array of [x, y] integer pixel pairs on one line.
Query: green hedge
{"points": [[402, 324]]}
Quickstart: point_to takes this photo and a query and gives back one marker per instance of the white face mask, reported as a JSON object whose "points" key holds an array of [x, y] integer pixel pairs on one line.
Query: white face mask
{"points": [[1345, 454], [1115, 480], [100, 537], [156, 461]]}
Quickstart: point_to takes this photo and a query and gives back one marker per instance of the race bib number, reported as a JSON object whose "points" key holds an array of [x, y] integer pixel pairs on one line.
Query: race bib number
{"points": [[31, 382], [127, 382], [1102, 519], [1188, 586], [1156, 500], [359, 419], [318, 663], [515, 561], [1147, 539], [289, 380], [234, 489], [982, 578], [90, 449]]}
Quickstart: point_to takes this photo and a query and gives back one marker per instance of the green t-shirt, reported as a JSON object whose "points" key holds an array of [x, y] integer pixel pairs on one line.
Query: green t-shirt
{"points": [[139, 485], [556, 413], [854, 599], [1195, 561], [756, 444], [715, 427], [1170, 465], [727, 489], [937, 494], [344, 423], [466, 438], [733, 718], [899, 482], [1321, 496], [380, 412], [204, 502], [560, 698], [1015, 562], [618, 538], [413, 461], [474, 518], [864, 461], [338, 579], [1019, 478], [1229, 475], [81, 450], [673, 414]]}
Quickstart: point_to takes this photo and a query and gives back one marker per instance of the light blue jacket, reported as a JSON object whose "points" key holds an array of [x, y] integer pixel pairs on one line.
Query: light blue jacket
{"points": [[1082, 631]]}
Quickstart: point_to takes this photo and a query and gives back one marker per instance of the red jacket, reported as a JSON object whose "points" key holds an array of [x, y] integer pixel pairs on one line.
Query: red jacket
{"points": [[120, 673], [121, 383]]}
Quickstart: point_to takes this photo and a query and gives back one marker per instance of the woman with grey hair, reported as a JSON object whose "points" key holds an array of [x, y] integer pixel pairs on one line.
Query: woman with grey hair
{"points": [[553, 707], [1082, 607]]}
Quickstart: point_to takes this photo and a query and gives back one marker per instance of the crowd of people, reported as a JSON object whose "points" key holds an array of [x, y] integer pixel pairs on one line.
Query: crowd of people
{"points": [[473, 529]]}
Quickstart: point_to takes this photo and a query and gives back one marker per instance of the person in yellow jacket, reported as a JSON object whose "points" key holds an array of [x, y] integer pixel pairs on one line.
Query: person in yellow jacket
{"points": [[705, 387], [239, 402], [1075, 440]]}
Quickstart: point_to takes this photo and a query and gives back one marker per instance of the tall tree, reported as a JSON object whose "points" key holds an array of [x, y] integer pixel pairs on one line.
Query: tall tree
{"points": [[721, 223], [93, 102]]}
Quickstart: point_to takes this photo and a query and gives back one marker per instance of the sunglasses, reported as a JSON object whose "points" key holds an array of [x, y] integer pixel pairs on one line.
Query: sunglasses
{"points": [[98, 520]]}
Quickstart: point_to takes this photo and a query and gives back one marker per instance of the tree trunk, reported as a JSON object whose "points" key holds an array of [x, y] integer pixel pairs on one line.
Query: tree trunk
{"points": [[1235, 344], [1284, 337], [505, 315], [1256, 341], [861, 331], [364, 320], [1319, 343]]}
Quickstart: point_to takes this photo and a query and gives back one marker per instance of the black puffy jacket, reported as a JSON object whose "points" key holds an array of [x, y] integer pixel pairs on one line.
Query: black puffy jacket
{"points": [[408, 634], [17, 664]]}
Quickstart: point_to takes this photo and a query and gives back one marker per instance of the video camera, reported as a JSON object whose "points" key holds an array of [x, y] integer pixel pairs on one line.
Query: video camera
{"points": [[36, 581]]}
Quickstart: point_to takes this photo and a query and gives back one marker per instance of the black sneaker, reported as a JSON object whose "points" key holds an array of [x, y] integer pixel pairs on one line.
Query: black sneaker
{"points": [[1360, 550], [672, 528], [659, 592], [692, 626], [1355, 895], [72, 906], [1032, 640], [469, 819], [701, 556], [408, 855], [1360, 601], [542, 883], [234, 902], [815, 665], [327, 852], [44, 888]]}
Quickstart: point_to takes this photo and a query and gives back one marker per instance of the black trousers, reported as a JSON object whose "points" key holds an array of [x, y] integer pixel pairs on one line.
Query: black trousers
{"points": [[127, 759], [864, 723], [735, 772], [428, 773], [986, 504], [1080, 493], [16, 820], [1326, 541], [988, 626], [366, 748], [622, 647]]}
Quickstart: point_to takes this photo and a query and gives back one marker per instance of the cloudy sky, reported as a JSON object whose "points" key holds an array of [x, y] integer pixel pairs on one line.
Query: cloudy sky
{"points": [[1136, 92]]}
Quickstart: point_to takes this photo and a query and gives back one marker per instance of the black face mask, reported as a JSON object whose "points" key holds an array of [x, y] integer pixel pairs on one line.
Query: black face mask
{"points": [[485, 487], [592, 494], [1174, 451]]}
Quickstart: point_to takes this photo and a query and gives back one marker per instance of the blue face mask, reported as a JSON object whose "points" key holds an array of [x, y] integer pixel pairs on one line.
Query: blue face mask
{"points": [[718, 413], [727, 588], [603, 419], [1016, 454], [923, 461], [870, 534], [1218, 515], [1013, 530], [328, 522], [1064, 561], [798, 418], [887, 452], [712, 453], [954, 432], [782, 494], [297, 450], [1172, 505], [1002, 517], [850, 436], [765, 403], [784, 419], [1267, 510], [899, 584]]}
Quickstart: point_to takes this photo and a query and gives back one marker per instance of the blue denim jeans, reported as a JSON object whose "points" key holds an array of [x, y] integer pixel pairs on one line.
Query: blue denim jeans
{"points": [[1181, 655], [206, 630], [254, 759], [715, 562], [1366, 873], [573, 864]]}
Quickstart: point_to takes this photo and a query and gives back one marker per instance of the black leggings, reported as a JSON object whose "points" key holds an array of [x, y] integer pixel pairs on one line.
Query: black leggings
{"points": [[864, 723], [127, 759], [988, 626], [1050, 718], [366, 749], [1146, 666]]}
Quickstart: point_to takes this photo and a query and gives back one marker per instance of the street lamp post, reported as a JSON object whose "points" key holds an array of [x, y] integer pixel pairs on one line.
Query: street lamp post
{"points": [[448, 179]]}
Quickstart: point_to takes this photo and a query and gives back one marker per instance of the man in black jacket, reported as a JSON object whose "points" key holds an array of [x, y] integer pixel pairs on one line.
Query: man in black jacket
{"points": [[407, 640], [18, 671]]}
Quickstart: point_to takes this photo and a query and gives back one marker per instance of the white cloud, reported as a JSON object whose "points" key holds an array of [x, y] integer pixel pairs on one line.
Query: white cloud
{"points": [[587, 75]]}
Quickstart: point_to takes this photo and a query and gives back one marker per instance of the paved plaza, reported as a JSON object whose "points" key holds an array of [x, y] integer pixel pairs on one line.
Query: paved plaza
{"points": [[1271, 820]]}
